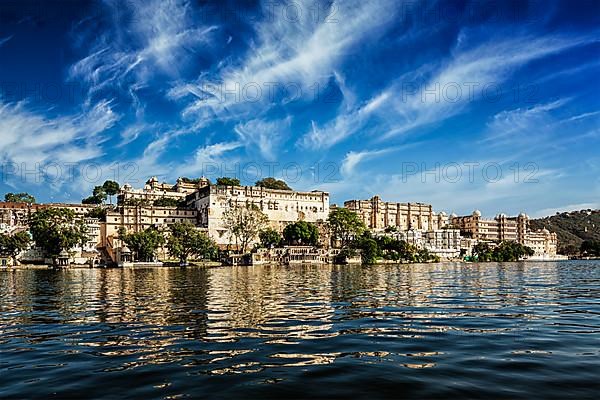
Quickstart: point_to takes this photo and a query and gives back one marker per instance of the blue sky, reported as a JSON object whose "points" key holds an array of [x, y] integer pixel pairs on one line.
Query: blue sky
{"points": [[484, 104]]}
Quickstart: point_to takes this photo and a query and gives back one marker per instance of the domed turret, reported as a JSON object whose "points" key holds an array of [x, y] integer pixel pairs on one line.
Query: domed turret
{"points": [[477, 213], [453, 215], [203, 182]]}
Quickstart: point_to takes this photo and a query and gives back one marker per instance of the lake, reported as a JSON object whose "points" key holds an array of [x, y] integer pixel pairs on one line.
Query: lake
{"points": [[510, 330]]}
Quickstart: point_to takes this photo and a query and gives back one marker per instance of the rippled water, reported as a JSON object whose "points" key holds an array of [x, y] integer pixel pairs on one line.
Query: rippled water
{"points": [[519, 330]]}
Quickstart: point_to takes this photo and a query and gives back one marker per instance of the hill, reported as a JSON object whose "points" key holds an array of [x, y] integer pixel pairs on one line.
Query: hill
{"points": [[572, 228]]}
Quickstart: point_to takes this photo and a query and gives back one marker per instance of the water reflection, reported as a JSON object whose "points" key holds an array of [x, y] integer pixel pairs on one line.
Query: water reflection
{"points": [[169, 332]]}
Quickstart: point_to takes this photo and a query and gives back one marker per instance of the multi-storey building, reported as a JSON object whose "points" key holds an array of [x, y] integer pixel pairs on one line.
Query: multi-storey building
{"points": [[497, 229], [378, 215], [542, 242], [281, 207], [153, 190], [503, 228], [14, 217]]}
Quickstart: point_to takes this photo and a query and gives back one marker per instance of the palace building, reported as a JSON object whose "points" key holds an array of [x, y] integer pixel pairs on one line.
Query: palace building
{"points": [[378, 215], [503, 228], [153, 190], [497, 229], [281, 207]]}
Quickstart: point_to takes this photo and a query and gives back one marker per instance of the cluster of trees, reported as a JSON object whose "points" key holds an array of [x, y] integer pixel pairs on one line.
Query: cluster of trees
{"points": [[101, 193], [56, 229], [590, 248], [191, 180], [97, 212], [386, 248], [504, 251], [13, 245], [143, 244], [351, 234], [225, 181], [272, 183], [299, 233], [267, 183], [19, 198], [184, 241]]}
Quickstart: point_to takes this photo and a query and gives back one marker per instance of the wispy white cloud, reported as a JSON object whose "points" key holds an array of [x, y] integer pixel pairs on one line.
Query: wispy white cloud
{"points": [[345, 125], [520, 125], [408, 105], [353, 158], [471, 70], [301, 52], [161, 36], [209, 157], [265, 136], [32, 137]]}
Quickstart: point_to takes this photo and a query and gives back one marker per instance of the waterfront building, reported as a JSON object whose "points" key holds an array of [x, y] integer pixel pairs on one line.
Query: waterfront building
{"points": [[503, 228], [138, 218], [542, 242], [444, 243], [378, 215], [497, 229], [281, 207]]}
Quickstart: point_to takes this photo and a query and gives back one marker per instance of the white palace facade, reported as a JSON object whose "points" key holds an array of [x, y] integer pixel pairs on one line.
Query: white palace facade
{"points": [[281, 207]]}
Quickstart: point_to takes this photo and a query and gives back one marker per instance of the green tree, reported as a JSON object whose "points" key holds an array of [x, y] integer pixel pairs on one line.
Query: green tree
{"points": [[92, 200], [482, 252], [590, 248], [345, 226], [225, 181], [97, 212], [186, 241], [100, 193], [244, 223], [111, 188], [301, 233], [269, 238], [13, 245], [369, 249], [98, 196], [503, 252], [56, 229], [143, 244], [272, 183], [19, 198], [395, 249], [510, 251]]}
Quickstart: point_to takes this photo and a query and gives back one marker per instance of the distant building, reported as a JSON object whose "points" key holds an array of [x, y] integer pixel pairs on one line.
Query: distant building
{"points": [[498, 229], [503, 228], [543, 242], [378, 215]]}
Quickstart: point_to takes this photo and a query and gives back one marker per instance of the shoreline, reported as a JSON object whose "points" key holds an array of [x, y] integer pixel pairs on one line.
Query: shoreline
{"points": [[219, 265]]}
